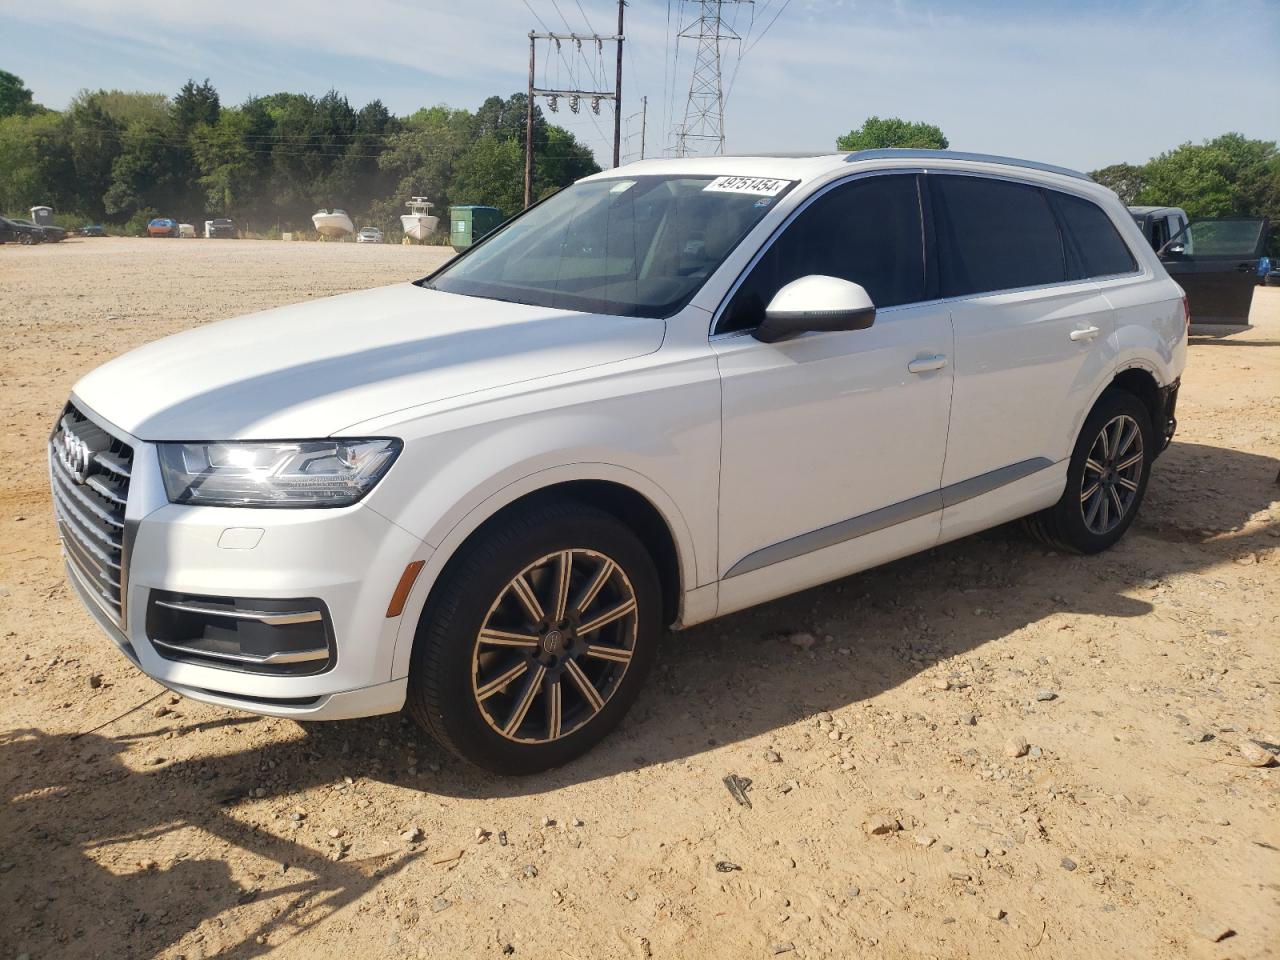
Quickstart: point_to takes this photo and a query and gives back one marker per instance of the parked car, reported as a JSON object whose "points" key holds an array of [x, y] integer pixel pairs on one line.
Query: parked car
{"points": [[369, 235], [12, 231], [1216, 262], [1158, 224], [93, 230], [666, 393], [163, 227], [47, 234], [220, 228]]}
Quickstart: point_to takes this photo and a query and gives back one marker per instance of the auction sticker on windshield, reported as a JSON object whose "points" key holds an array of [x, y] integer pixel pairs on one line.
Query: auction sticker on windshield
{"points": [[759, 186]]}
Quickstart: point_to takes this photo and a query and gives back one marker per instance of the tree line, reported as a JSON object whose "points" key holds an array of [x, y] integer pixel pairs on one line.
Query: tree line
{"points": [[121, 158]]}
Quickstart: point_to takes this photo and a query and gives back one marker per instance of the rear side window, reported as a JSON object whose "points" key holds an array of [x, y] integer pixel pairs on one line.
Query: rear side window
{"points": [[994, 235], [1098, 247], [867, 231]]}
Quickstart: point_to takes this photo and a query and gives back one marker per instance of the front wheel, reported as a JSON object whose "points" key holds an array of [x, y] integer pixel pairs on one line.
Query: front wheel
{"points": [[1106, 479], [537, 638]]}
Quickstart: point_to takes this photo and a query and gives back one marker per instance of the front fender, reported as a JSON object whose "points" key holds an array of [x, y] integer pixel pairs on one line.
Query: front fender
{"points": [[457, 524]]}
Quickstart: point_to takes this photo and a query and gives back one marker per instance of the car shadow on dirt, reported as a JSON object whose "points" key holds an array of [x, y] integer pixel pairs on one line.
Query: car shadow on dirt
{"points": [[73, 886]]}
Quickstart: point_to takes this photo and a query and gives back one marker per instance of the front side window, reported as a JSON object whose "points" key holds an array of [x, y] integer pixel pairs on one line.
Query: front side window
{"points": [[1099, 250], [638, 246], [994, 235], [867, 231]]}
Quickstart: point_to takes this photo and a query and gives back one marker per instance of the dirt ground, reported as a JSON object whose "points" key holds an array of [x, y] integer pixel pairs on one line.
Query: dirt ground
{"points": [[135, 824]]}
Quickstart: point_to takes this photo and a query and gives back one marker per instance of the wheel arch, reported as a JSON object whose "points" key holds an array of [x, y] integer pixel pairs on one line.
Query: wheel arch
{"points": [[1135, 376], [634, 500], [1140, 382]]}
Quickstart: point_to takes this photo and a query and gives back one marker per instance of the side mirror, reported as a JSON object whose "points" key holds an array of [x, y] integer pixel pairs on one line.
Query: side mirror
{"points": [[815, 303], [1174, 250]]}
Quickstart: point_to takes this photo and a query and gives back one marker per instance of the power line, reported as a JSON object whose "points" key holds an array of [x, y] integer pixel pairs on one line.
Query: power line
{"points": [[781, 11]]}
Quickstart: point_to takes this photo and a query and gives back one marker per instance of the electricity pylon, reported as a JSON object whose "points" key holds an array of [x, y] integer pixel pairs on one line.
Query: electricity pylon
{"points": [[703, 126]]}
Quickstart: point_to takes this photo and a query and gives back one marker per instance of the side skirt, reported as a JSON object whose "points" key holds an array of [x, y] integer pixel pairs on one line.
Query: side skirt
{"points": [[892, 515]]}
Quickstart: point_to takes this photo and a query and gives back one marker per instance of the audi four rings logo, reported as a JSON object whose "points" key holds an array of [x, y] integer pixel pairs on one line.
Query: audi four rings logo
{"points": [[75, 456]]}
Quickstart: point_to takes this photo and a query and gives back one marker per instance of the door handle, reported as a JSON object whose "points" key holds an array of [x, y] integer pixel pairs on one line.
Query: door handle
{"points": [[1088, 333], [927, 364]]}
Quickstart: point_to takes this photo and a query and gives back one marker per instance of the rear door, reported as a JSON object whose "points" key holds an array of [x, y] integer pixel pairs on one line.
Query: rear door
{"points": [[1033, 333], [1216, 262]]}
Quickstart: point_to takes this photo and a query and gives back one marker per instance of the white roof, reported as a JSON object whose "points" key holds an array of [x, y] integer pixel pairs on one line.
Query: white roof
{"points": [[824, 165]]}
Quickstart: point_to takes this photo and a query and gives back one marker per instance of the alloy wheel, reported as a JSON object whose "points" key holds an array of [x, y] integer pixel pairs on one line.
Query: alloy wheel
{"points": [[554, 646], [1112, 474]]}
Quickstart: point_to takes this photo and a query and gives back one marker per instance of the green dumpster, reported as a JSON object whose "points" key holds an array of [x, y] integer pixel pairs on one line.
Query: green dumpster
{"points": [[470, 223]]}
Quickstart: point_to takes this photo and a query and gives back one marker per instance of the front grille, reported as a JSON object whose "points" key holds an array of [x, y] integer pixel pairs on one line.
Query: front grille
{"points": [[89, 470]]}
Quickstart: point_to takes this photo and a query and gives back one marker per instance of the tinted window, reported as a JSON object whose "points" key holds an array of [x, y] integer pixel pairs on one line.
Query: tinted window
{"points": [[994, 235], [867, 231], [1222, 238], [1097, 245]]}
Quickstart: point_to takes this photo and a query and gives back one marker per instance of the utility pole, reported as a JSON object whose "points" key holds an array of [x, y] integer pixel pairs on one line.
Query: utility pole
{"points": [[575, 97], [644, 122], [617, 90], [528, 131], [704, 109]]}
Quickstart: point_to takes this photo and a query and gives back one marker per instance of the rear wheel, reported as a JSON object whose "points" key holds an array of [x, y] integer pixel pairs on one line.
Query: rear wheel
{"points": [[1106, 479], [537, 638]]}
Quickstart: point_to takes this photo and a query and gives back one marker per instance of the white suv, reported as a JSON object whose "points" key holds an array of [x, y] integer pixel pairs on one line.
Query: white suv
{"points": [[669, 392]]}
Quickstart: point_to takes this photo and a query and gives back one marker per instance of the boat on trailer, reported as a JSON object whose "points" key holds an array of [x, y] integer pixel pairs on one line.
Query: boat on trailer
{"points": [[333, 224], [417, 223]]}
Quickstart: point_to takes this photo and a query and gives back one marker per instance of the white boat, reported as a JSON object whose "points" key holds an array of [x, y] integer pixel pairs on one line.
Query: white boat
{"points": [[417, 223], [333, 223]]}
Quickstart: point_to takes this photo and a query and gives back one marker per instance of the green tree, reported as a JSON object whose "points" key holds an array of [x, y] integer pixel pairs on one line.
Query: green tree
{"points": [[880, 132], [491, 173], [560, 160], [15, 99], [196, 104], [93, 137], [1228, 175], [35, 163], [226, 162], [1124, 178]]}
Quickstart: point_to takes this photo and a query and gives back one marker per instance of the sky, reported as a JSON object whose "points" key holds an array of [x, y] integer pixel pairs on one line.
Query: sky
{"points": [[1081, 84]]}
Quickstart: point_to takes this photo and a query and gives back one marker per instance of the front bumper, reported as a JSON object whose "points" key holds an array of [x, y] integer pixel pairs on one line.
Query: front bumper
{"points": [[348, 559]]}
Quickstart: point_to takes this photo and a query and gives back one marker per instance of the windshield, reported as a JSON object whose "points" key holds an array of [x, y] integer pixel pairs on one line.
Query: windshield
{"points": [[636, 246]]}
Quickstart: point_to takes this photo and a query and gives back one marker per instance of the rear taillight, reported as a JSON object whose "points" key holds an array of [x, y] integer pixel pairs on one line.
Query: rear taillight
{"points": [[1186, 311]]}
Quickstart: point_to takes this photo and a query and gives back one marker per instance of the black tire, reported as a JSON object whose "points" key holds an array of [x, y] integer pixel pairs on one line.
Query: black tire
{"points": [[445, 674], [1066, 525]]}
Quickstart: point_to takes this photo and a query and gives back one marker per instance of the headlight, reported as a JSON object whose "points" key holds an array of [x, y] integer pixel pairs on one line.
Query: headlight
{"points": [[305, 473]]}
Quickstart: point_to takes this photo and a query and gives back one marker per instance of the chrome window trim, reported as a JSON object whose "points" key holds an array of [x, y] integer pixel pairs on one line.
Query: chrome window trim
{"points": [[1142, 273]]}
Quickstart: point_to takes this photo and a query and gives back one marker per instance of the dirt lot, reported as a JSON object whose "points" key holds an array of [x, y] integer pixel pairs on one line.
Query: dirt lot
{"points": [[1132, 828]]}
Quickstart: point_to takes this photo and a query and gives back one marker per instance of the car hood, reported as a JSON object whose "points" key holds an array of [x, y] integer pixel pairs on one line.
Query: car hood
{"points": [[312, 369]]}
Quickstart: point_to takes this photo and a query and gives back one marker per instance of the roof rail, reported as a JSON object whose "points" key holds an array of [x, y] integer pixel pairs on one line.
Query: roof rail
{"points": [[911, 153]]}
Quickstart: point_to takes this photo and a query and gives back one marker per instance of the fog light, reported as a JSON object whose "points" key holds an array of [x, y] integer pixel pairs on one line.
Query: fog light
{"points": [[291, 637]]}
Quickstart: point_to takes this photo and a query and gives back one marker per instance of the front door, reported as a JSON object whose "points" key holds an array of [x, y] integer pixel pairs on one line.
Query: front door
{"points": [[1216, 264], [833, 443]]}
